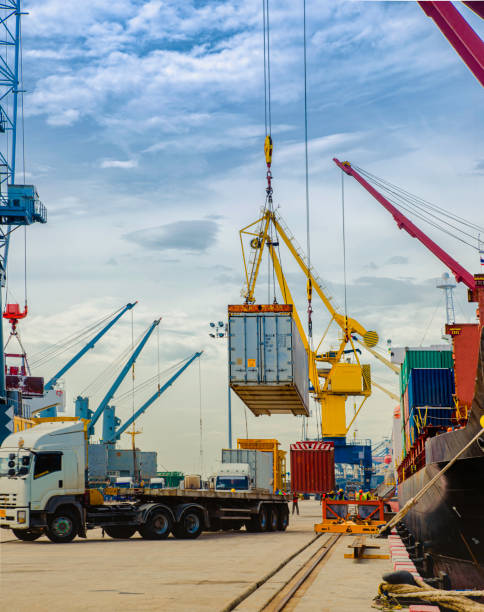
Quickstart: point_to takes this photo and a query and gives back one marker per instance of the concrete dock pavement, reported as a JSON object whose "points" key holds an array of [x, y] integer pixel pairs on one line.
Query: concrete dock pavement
{"points": [[205, 574]]}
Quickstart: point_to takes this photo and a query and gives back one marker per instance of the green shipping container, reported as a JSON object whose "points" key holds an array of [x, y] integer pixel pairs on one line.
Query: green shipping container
{"points": [[423, 359], [172, 479]]}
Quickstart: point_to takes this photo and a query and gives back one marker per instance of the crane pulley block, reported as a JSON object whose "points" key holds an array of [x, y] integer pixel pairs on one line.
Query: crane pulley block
{"points": [[268, 150]]}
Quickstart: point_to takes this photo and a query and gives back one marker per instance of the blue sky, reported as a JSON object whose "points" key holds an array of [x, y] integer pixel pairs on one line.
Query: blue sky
{"points": [[144, 130]]}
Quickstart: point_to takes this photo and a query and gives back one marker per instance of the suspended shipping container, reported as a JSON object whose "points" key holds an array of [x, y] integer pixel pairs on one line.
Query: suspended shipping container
{"points": [[268, 364], [312, 467]]}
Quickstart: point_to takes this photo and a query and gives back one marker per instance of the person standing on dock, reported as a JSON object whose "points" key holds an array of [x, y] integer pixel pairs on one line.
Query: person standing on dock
{"points": [[295, 503]]}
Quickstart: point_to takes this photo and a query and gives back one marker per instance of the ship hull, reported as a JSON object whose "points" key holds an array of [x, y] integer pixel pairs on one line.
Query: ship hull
{"points": [[449, 518]]}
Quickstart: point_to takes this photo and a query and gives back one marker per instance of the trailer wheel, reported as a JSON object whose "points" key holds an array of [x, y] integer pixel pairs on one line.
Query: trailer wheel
{"points": [[189, 527], [259, 522], [158, 526], [120, 532], [273, 521], [283, 522], [26, 535], [62, 527]]}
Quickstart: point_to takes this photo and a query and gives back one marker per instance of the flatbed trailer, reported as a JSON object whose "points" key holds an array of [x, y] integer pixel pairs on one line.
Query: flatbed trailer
{"points": [[185, 513]]}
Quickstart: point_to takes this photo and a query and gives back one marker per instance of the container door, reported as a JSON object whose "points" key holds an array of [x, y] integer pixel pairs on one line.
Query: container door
{"points": [[243, 345], [284, 349], [268, 341]]}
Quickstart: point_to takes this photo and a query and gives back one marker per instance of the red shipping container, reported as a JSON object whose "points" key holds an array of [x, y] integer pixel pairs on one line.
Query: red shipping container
{"points": [[465, 342], [312, 467]]}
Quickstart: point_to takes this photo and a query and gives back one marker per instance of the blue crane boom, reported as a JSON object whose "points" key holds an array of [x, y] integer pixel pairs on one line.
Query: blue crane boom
{"points": [[50, 385], [121, 376], [156, 395]]}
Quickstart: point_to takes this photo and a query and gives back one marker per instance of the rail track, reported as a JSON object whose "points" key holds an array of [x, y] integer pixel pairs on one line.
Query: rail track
{"points": [[291, 577]]}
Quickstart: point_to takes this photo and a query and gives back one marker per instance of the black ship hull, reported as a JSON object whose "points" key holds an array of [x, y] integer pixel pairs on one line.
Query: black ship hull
{"points": [[449, 518]]}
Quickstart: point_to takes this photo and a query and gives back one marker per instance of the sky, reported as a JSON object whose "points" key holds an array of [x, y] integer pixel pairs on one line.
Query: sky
{"points": [[144, 131]]}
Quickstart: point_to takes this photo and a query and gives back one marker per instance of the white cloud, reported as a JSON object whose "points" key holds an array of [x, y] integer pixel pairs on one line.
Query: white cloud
{"points": [[115, 163]]}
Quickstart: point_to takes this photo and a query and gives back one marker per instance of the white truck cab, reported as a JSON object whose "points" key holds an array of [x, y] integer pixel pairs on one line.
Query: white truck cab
{"points": [[232, 477], [39, 468]]}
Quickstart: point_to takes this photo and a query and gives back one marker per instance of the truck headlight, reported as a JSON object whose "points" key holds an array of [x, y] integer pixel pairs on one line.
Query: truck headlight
{"points": [[21, 516]]}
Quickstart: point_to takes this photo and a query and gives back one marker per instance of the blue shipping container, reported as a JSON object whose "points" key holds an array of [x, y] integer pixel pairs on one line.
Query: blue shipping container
{"points": [[431, 387]]}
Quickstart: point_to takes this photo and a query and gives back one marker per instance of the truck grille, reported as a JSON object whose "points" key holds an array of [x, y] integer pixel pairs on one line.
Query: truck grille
{"points": [[8, 500]]}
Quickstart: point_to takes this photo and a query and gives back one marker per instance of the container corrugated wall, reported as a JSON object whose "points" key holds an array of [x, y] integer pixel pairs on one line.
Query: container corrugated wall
{"points": [[268, 363], [312, 467], [423, 359], [430, 387]]}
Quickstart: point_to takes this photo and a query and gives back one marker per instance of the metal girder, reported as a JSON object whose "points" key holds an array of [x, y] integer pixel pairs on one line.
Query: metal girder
{"points": [[459, 33], [461, 274]]}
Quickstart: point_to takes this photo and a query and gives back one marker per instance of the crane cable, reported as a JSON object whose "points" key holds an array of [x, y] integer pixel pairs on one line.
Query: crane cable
{"points": [[306, 160], [268, 146]]}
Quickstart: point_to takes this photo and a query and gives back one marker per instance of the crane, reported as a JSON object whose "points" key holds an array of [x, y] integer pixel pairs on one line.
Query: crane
{"points": [[19, 204], [390, 394], [463, 336], [351, 379], [330, 386], [118, 433], [121, 376], [52, 382], [459, 33], [475, 283]]}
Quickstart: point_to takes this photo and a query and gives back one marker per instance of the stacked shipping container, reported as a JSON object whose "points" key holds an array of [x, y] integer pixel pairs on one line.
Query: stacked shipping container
{"points": [[426, 390]]}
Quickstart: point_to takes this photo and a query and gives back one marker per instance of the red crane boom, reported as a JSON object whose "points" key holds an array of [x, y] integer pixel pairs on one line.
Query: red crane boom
{"points": [[459, 33], [460, 273]]}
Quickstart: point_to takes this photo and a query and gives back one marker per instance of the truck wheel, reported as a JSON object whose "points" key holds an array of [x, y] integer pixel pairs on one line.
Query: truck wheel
{"points": [[283, 519], [157, 527], [62, 527], [259, 522], [273, 519], [189, 527], [26, 535], [120, 532]]}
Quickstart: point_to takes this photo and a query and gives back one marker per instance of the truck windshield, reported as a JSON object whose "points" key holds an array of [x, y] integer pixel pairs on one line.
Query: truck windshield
{"points": [[14, 463], [227, 483]]}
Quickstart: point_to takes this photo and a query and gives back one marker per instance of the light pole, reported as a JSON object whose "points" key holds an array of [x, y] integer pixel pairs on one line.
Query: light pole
{"points": [[217, 331]]}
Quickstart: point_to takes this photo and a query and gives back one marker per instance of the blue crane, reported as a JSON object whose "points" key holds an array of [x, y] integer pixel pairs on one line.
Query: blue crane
{"points": [[50, 385], [121, 376], [153, 398], [19, 204]]}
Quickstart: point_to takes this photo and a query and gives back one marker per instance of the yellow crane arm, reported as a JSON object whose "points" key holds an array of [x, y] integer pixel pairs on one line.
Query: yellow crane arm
{"points": [[394, 396], [286, 294], [347, 324], [380, 357]]}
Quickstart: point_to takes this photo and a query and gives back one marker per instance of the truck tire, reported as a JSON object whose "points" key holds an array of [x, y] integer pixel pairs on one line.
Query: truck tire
{"points": [[120, 532], [189, 527], [283, 522], [158, 526], [62, 526], [273, 521], [26, 535], [258, 523]]}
